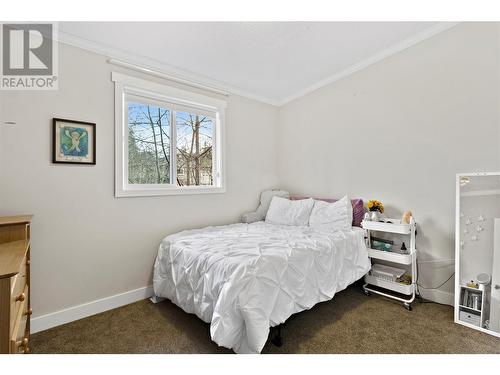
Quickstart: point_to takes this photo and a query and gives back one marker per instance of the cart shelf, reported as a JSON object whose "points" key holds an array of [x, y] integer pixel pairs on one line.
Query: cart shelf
{"points": [[390, 256], [395, 227], [391, 285]]}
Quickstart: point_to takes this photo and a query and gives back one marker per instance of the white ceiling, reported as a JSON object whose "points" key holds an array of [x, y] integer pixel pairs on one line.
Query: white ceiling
{"points": [[271, 61]]}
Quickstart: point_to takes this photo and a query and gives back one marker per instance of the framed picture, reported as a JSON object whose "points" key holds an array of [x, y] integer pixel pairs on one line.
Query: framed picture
{"points": [[73, 142]]}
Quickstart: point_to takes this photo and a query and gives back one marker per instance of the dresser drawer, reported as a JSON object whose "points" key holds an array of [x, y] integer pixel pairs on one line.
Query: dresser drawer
{"points": [[15, 311], [20, 336], [19, 280], [18, 293]]}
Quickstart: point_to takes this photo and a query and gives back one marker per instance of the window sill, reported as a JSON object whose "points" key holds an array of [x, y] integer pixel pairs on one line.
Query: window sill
{"points": [[122, 193]]}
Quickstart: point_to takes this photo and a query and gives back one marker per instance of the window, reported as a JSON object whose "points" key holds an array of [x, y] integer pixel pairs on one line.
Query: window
{"points": [[168, 141], [149, 141]]}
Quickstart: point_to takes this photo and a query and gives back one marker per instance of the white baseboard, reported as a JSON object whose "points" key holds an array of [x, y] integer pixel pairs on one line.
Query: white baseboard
{"points": [[43, 322], [436, 295]]}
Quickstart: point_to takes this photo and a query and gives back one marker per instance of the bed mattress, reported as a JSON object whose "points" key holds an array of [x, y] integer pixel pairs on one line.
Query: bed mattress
{"points": [[245, 278]]}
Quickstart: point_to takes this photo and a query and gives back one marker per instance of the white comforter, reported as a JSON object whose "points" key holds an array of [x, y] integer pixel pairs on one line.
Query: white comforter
{"points": [[245, 278]]}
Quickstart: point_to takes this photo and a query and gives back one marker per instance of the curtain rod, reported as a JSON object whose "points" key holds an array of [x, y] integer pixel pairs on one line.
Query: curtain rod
{"points": [[160, 74]]}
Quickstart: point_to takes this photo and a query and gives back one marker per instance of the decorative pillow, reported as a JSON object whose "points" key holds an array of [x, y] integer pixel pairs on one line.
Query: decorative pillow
{"points": [[265, 200], [286, 212], [332, 216], [358, 209]]}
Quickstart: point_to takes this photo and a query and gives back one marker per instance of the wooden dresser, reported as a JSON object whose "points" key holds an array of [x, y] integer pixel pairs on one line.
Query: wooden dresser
{"points": [[15, 307]]}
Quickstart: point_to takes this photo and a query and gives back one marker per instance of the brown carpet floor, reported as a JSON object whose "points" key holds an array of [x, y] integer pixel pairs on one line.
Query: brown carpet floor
{"points": [[350, 323]]}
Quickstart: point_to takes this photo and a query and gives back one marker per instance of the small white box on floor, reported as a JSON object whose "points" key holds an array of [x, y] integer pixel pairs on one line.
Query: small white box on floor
{"points": [[470, 318]]}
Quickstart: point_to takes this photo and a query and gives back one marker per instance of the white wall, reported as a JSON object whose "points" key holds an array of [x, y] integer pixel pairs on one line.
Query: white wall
{"points": [[399, 131], [86, 243], [2, 119]]}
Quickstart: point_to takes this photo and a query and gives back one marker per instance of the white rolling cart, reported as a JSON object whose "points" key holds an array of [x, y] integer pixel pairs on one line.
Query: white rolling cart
{"points": [[409, 259]]}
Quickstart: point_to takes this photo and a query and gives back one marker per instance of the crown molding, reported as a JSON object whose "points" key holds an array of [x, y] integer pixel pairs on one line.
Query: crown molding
{"points": [[379, 56], [161, 68], [168, 70]]}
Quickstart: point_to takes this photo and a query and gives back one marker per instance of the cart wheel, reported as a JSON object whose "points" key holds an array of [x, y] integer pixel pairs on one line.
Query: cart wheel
{"points": [[367, 292], [408, 307]]}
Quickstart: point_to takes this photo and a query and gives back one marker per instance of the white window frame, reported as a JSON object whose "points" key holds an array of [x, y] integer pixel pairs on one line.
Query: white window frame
{"points": [[171, 98]]}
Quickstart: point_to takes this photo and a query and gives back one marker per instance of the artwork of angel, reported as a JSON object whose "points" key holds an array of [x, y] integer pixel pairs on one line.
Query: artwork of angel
{"points": [[74, 141]]}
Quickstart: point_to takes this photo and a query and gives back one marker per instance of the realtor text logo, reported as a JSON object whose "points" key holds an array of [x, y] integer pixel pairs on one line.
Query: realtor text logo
{"points": [[29, 56]]}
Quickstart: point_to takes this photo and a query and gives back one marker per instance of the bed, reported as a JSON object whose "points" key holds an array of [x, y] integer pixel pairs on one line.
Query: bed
{"points": [[245, 278]]}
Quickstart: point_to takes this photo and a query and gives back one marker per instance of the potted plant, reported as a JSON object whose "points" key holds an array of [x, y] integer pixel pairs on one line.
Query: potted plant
{"points": [[376, 208]]}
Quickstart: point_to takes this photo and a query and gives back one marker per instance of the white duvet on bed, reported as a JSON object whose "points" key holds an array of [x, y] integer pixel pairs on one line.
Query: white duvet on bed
{"points": [[244, 278]]}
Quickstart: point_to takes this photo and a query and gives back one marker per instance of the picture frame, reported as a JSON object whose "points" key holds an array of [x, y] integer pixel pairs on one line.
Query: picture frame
{"points": [[73, 142]]}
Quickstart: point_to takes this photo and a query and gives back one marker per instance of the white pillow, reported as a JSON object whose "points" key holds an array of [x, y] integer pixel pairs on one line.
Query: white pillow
{"points": [[286, 212], [332, 216]]}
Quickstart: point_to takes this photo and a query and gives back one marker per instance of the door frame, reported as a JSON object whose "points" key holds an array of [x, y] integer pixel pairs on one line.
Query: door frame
{"points": [[496, 262]]}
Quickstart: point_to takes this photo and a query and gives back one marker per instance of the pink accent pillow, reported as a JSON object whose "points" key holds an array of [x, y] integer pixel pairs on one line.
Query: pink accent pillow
{"points": [[358, 209]]}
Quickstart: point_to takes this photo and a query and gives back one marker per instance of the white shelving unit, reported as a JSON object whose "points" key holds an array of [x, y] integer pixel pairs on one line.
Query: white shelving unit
{"points": [[409, 259], [470, 315]]}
